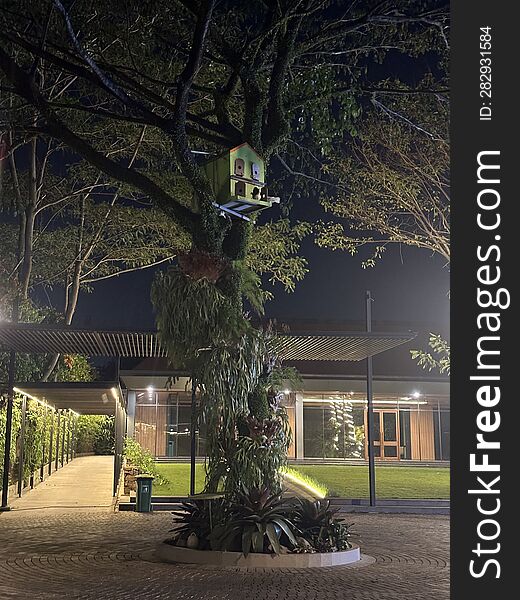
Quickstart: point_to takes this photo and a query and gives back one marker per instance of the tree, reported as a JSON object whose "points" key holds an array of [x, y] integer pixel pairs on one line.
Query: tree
{"points": [[393, 186], [438, 358], [229, 74]]}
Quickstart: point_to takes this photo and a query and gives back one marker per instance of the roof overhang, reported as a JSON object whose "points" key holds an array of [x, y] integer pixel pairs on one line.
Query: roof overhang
{"points": [[311, 346], [92, 398]]}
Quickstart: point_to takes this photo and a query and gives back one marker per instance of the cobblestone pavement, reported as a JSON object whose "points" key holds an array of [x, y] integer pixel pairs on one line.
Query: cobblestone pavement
{"points": [[85, 554]]}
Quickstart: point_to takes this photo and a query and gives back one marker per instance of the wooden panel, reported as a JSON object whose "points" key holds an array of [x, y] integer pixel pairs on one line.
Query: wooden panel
{"points": [[422, 435], [145, 428], [291, 413], [162, 436]]}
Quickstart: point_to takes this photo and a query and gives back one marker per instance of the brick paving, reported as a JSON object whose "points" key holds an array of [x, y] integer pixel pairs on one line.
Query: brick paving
{"points": [[90, 552], [85, 554]]}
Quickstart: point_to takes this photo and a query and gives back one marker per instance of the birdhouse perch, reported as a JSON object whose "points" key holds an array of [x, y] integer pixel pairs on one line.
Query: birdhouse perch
{"points": [[237, 178]]}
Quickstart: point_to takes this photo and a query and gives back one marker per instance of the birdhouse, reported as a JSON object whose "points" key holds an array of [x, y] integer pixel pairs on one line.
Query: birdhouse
{"points": [[237, 178]]}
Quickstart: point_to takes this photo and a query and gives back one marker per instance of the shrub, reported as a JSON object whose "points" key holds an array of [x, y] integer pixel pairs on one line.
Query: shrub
{"points": [[95, 433], [142, 460], [318, 525], [258, 521]]}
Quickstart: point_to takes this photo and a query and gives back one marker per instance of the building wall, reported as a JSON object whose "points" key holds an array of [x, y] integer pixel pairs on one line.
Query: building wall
{"points": [[325, 425]]}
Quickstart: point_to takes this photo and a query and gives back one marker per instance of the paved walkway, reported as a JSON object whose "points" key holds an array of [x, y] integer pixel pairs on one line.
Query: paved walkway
{"points": [[85, 483], [101, 555]]}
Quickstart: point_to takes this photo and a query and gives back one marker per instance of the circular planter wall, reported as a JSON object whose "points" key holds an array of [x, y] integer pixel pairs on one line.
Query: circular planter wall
{"points": [[175, 554]]}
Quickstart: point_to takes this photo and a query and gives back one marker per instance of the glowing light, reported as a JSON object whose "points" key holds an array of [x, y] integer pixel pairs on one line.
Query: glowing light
{"points": [[404, 400], [291, 476], [287, 392], [42, 402], [416, 395]]}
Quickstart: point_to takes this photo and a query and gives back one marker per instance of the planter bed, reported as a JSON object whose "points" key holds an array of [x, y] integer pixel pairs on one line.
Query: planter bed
{"points": [[176, 554]]}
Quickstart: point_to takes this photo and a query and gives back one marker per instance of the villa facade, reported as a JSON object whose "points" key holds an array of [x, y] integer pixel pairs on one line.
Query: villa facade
{"points": [[328, 415]]}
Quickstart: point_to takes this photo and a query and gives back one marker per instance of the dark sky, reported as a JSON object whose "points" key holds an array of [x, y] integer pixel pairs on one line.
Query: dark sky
{"points": [[407, 285]]}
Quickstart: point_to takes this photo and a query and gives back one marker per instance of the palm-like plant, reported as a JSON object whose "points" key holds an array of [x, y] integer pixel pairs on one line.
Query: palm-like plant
{"points": [[318, 524], [257, 521], [197, 516]]}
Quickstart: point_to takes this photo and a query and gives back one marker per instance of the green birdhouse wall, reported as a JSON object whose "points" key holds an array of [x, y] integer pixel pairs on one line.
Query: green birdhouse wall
{"points": [[237, 178]]}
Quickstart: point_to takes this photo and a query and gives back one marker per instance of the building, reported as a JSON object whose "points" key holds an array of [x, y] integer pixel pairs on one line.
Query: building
{"points": [[328, 416]]}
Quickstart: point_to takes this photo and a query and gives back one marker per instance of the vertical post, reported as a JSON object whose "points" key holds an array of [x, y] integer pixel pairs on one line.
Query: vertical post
{"points": [[21, 454], [69, 429], [116, 448], [73, 446], [370, 409], [57, 451], [8, 430], [439, 421], [63, 433], [298, 425], [51, 438], [193, 433], [44, 443]]}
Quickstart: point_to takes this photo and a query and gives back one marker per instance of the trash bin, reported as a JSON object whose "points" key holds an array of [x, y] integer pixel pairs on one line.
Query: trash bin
{"points": [[144, 493]]}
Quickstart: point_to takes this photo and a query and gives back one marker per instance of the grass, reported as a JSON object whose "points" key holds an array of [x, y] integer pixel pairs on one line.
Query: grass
{"points": [[178, 476], [391, 482], [341, 480]]}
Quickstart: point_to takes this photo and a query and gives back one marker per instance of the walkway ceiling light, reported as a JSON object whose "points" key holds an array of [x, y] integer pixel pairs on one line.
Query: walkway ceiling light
{"points": [[42, 402]]}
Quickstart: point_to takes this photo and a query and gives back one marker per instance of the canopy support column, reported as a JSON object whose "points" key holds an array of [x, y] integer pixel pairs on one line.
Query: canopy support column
{"points": [[370, 410], [193, 434], [21, 453], [8, 430]]}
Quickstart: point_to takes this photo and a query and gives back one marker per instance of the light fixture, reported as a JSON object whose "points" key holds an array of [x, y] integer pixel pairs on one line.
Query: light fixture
{"points": [[31, 397], [416, 395]]}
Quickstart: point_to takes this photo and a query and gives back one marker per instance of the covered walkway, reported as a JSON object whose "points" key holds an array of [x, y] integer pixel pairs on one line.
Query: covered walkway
{"points": [[84, 483]]}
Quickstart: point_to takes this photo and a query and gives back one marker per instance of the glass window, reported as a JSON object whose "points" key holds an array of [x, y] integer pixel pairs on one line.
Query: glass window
{"points": [[390, 426], [376, 429], [163, 424], [390, 451], [313, 431], [404, 430]]}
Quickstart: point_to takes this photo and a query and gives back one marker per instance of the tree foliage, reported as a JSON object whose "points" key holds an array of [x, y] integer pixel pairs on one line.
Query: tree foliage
{"points": [[439, 357], [393, 184], [286, 77]]}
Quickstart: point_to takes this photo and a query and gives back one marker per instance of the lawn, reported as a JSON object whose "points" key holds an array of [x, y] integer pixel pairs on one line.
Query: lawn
{"points": [[178, 476], [391, 482], [341, 480]]}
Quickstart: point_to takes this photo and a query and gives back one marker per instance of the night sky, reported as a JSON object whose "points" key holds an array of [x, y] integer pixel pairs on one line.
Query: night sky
{"points": [[408, 285]]}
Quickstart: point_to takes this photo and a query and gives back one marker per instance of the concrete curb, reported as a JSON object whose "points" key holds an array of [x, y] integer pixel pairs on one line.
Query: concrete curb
{"points": [[168, 553]]}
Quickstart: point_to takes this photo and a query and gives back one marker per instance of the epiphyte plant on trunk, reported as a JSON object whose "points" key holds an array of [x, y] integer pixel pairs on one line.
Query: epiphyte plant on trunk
{"points": [[237, 370]]}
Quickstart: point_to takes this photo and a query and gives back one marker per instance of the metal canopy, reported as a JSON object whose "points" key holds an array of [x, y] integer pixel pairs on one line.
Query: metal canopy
{"points": [[92, 398], [311, 346]]}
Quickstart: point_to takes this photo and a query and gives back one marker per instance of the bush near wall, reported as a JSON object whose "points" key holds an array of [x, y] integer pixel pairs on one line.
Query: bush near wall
{"points": [[141, 460], [95, 434]]}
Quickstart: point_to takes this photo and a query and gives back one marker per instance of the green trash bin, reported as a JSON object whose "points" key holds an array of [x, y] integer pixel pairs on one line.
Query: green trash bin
{"points": [[144, 493]]}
